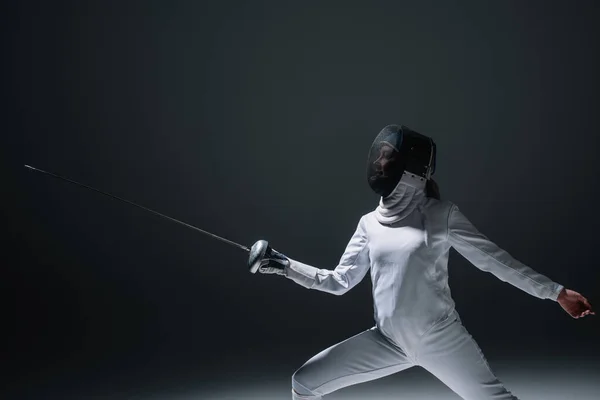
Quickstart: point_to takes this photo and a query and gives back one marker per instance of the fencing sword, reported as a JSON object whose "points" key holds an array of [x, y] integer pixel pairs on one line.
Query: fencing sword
{"points": [[257, 251]]}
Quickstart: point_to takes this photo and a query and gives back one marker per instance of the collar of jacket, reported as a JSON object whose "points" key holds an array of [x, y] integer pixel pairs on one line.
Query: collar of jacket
{"points": [[404, 199]]}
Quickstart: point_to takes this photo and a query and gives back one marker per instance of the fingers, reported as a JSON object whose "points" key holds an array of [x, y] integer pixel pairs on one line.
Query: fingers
{"points": [[584, 311], [587, 303], [587, 312], [587, 307], [579, 311]]}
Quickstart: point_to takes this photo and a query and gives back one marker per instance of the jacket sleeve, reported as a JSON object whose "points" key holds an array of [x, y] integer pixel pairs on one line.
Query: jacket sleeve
{"points": [[487, 256], [352, 268]]}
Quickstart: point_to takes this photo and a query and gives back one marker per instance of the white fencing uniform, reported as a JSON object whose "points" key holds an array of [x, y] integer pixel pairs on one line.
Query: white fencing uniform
{"points": [[416, 323]]}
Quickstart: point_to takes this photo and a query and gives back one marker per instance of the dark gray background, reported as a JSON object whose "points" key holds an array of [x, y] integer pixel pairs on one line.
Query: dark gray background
{"points": [[253, 120]]}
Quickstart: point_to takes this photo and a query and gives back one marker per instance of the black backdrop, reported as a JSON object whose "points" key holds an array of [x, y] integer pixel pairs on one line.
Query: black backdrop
{"points": [[253, 120]]}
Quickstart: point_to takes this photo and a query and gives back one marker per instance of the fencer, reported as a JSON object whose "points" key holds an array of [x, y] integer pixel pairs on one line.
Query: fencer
{"points": [[405, 244]]}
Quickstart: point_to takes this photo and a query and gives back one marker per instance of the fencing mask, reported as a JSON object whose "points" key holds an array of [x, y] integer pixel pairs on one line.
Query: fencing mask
{"points": [[398, 151]]}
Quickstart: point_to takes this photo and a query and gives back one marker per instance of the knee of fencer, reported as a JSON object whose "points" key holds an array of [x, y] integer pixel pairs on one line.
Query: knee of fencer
{"points": [[297, 396], [302, 386]]}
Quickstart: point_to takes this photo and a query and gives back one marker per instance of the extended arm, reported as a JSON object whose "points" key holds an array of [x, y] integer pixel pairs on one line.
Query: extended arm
{"points": [[351, 269], [487, 256]]}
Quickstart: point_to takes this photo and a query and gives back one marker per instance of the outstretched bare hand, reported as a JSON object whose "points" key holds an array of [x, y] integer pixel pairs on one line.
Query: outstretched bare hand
{"points": [[574, 303]]}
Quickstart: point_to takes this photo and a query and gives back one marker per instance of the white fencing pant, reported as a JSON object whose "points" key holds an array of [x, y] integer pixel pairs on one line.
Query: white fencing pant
{"points": [[448, 351]]}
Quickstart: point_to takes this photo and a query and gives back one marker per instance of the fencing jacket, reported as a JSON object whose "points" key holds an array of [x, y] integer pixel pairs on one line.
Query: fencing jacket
{"points": [[408, 261]]}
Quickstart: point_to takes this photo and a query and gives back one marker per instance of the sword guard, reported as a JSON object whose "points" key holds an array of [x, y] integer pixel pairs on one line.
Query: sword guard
{"points": [[257, 254]]}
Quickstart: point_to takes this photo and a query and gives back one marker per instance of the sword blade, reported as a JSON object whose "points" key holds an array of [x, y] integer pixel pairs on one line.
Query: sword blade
{"points": [[143, 208]]}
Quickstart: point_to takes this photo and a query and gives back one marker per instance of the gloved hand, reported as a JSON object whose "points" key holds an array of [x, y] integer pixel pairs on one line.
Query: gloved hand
{"points": [[273, 262], [264, 259]]}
